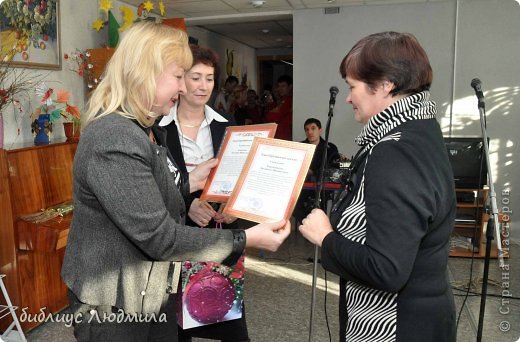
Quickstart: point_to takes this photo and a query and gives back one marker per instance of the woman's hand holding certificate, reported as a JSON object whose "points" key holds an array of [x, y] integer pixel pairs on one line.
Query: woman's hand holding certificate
{"points": [[199, 174], [268, 235]]}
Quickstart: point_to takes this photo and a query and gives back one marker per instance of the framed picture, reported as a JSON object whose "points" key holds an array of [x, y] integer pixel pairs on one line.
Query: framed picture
{"points": [[232, 156], [30, 33], [271, 180]]}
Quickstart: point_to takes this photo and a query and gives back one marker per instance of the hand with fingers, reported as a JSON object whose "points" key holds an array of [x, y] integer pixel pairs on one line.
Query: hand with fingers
{"points": [[200, 173], [268, 236], [220, 217], [316, 226], [201, 212]]}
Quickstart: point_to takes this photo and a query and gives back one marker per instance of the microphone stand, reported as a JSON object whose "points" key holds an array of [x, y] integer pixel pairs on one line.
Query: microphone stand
{"points": [[493, 225], [317, 201]]}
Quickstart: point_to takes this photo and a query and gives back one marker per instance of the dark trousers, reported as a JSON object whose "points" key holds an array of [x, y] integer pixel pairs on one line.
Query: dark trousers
{"points": [[110, 324]]}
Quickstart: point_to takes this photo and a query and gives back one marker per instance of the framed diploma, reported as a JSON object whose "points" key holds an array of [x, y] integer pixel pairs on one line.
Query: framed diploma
{"points": [[271, 180], [232, 156]]}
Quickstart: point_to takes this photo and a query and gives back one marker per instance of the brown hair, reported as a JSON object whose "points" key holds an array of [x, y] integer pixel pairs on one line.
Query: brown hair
{"points": [[204, 55], [389, 56]]}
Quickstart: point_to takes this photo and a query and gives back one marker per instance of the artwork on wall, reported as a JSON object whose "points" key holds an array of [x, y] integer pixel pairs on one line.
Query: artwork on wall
{"points": [[30, 33]]}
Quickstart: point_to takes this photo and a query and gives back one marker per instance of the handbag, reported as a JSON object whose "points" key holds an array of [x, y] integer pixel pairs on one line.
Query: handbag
{"points": [[209, 293]]}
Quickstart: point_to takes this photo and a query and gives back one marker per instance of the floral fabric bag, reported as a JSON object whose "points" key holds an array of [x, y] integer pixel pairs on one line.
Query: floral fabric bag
{"points": [[209, 293]]}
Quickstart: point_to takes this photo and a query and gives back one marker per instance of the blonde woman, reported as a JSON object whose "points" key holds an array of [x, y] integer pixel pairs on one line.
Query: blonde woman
{"points": [[129, 213]]}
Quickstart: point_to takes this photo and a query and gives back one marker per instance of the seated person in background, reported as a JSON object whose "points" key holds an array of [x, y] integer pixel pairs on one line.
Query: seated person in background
{"points": [[313, 132]]}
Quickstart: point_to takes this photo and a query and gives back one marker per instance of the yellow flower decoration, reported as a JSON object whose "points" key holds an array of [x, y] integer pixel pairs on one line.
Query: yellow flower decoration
{"points": [[161, 7], [128, 17], [148, 5], [98, 24], [105, 5]]}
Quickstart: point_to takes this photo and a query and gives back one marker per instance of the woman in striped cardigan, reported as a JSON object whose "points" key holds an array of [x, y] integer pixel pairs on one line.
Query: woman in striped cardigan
{"points": [[388, 234]]}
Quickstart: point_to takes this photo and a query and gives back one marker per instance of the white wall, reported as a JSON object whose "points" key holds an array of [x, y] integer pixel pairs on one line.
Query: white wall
{"points": [[244, 57], [331, 36], [487, 45]]}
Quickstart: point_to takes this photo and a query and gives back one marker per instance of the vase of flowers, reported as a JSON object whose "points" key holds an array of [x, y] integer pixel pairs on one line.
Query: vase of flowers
{"points": [[54, 106], [42, 129]]}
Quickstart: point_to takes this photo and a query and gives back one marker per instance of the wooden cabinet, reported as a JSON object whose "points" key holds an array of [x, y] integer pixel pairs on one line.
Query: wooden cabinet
{"points": [[468, 237], [33, 178], [98, 59]]}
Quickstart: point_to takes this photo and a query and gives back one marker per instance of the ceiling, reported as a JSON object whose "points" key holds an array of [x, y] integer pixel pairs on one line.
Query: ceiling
{"points": [[268, 26]]}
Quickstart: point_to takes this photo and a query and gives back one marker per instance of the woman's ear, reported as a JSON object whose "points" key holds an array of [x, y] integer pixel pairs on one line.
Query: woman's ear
{"points": [[387, 86]]}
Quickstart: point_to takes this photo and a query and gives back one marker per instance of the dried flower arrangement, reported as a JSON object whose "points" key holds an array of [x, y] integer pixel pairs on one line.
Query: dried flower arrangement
{"points": [[58, 107], [14, 85], [79, 63]]}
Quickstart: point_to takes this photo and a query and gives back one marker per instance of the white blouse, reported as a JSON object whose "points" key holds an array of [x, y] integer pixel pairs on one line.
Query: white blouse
{"points": [[201, 149]]}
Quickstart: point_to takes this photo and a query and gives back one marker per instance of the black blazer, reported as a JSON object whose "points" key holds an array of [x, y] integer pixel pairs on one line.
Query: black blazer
{"points": [[217, 130]]}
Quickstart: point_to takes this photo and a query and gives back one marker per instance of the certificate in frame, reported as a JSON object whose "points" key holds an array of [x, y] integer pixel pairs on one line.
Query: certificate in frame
{"points": [[232, 156], [271, 180]]}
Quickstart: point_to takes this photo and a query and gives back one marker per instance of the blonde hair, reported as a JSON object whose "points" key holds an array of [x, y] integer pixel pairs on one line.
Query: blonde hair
{"points": [[128, 86]]}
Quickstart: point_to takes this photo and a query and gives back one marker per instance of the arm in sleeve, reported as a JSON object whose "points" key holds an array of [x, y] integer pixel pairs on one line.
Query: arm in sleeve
{"points": [[120, 175], [398, 209]]}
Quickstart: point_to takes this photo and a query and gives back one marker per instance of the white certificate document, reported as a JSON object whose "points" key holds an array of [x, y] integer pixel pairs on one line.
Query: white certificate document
{"points": [[232, 156], [271, 180]]}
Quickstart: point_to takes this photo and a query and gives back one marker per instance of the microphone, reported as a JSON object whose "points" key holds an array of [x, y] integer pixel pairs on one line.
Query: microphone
{"points": [[477, 85], [332, 101]]}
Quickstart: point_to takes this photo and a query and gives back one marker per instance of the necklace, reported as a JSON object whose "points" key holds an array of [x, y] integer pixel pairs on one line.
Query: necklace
{"points": [[189, 126]]}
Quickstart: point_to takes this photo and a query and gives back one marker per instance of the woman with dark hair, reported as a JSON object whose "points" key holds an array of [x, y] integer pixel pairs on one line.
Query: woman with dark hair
{"points": [[388, 234], [195, 132]]}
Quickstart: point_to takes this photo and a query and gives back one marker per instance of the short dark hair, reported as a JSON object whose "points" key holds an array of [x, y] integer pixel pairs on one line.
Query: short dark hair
{"points": [[312, 121], [204, 55], [285, 78], [389, 56]]}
